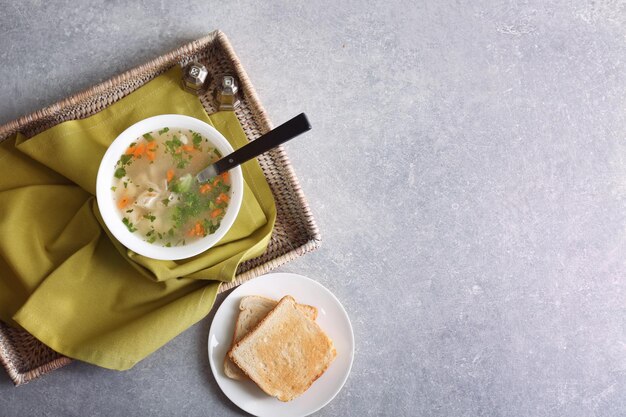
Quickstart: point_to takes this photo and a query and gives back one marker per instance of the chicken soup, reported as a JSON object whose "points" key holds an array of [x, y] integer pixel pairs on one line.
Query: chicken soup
{"points": [[156, 193]]}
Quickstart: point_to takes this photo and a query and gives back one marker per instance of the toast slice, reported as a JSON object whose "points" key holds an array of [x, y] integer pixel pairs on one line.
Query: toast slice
{"points": [[285, 353], [252, 309]]}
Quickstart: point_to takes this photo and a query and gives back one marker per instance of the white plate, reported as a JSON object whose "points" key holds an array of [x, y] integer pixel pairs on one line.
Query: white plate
{"points": [[332, 318]]}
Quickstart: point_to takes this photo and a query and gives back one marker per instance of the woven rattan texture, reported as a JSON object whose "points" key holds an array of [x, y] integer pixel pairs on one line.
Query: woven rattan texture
{"points": [[295, 232]]}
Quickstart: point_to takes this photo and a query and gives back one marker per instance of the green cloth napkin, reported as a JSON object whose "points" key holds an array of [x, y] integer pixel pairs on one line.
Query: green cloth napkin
{"points": [[67, 281]]}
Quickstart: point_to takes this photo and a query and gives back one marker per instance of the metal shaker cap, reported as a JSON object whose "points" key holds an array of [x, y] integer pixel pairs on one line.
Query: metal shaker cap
{"points": [[194, 77], [226, 93]]}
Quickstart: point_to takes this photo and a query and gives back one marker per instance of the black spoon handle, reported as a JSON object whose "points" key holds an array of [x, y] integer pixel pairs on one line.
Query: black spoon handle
{"points": [[271, 139]]}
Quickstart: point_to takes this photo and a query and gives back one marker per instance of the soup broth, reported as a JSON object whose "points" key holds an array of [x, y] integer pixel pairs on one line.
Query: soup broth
{"points": [[156, 193]]}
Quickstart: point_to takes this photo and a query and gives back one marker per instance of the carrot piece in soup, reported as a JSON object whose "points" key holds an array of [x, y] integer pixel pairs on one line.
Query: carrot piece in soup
{"points": [[139, 150], [216, 213], [188, 148], [205, 188], [123, 202], [222, 198], [151, 150], [130, 150], [196, 230], [225, 176], [170, 175]]}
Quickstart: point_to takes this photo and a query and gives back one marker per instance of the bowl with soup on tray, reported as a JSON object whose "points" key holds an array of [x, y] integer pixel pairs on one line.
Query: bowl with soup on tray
{"points": [[148, 194]]}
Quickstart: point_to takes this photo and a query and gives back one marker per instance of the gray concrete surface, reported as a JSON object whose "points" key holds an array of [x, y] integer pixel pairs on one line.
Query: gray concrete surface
{"points": [[467, 168]]}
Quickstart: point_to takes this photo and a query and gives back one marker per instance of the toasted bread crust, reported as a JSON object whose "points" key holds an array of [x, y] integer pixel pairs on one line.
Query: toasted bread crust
{"points": [[230, 369]]}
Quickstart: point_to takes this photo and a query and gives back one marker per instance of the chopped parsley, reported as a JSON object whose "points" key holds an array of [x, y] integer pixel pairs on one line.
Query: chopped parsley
{"points": [[209, 227], [129, 225], [173, 147], [197, 139], [120, 173], [164, 130], [148, 137], [123, 162], [191, 207], [126, 159]]}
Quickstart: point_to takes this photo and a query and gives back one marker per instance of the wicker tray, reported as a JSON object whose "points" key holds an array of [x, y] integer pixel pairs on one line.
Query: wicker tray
{"points": [[23, 356]]}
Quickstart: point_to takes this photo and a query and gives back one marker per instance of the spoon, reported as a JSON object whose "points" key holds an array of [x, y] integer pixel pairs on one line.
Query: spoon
{"points": [[281, 134]]}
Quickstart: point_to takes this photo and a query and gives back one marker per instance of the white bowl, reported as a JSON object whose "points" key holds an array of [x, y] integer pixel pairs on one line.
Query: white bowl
{"points": [[107, 207]]}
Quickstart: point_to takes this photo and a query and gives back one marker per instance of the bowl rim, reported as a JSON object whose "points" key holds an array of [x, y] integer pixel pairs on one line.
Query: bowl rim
{"points": [[104, 181]]}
